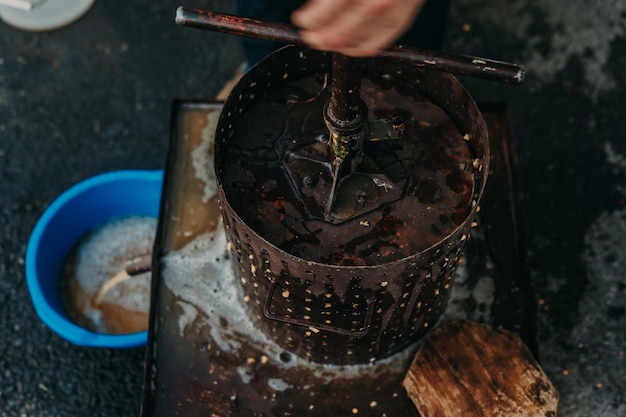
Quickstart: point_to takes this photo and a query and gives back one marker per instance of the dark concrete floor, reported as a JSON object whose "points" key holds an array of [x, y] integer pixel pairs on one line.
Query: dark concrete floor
{"points": [[95, 96], [570, 141]]}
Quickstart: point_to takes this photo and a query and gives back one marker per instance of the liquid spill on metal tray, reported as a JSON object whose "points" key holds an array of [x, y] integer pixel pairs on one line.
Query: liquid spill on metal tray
{"points": [[206, 359]]}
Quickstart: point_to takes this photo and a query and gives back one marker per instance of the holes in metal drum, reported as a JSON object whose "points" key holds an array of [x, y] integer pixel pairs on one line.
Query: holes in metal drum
{"points": [[268, 276]]}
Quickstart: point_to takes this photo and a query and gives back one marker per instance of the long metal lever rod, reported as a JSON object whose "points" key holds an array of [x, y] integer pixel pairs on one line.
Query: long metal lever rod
{"points": [[284, 33]]}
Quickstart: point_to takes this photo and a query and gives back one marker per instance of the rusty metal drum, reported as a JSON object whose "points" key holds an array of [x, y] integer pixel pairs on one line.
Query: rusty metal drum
{"points": [[362, 289]]}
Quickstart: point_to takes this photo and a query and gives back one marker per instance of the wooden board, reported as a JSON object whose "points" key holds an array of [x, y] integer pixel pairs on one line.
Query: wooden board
{"points": [[472, 369]]}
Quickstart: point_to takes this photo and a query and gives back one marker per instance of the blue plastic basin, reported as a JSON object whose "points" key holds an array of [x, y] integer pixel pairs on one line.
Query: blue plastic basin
{"points": [[82, 208]]}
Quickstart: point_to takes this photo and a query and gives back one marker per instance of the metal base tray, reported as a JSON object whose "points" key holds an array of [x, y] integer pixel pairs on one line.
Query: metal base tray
{"points": [[204, 358]]}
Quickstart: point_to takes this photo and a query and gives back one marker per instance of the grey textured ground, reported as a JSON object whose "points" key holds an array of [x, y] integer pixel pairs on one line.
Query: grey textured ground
{"points": [[571, 144], [95, 96]]}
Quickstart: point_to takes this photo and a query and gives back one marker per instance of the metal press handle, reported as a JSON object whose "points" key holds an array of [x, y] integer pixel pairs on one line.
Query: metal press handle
{"points": [[284, 33]]}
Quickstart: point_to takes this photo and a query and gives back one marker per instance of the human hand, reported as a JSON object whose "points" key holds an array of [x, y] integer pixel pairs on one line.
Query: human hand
{"points": [[354, 27]]}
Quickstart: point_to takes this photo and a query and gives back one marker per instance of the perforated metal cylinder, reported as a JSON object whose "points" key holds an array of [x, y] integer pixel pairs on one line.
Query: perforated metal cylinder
{"points": [[346, 314]]}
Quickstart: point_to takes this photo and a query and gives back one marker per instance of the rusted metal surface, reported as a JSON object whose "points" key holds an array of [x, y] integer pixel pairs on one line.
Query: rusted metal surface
{"points": [[283, 33], [321, 171], [384, 277], [346, 111], [187, 373]]}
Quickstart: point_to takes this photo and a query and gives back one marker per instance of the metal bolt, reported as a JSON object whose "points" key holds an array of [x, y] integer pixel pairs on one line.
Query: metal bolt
{"points": [[308, 181]]}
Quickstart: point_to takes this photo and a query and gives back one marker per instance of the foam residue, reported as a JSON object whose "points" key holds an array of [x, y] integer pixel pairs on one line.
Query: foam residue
{"points": [[110, 246], [101, 256], [201, 275], [278, 384], [202, 165]]}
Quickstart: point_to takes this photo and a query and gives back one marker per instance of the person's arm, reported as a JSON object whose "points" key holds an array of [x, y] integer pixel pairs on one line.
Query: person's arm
{"points": [[355, 27]]}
